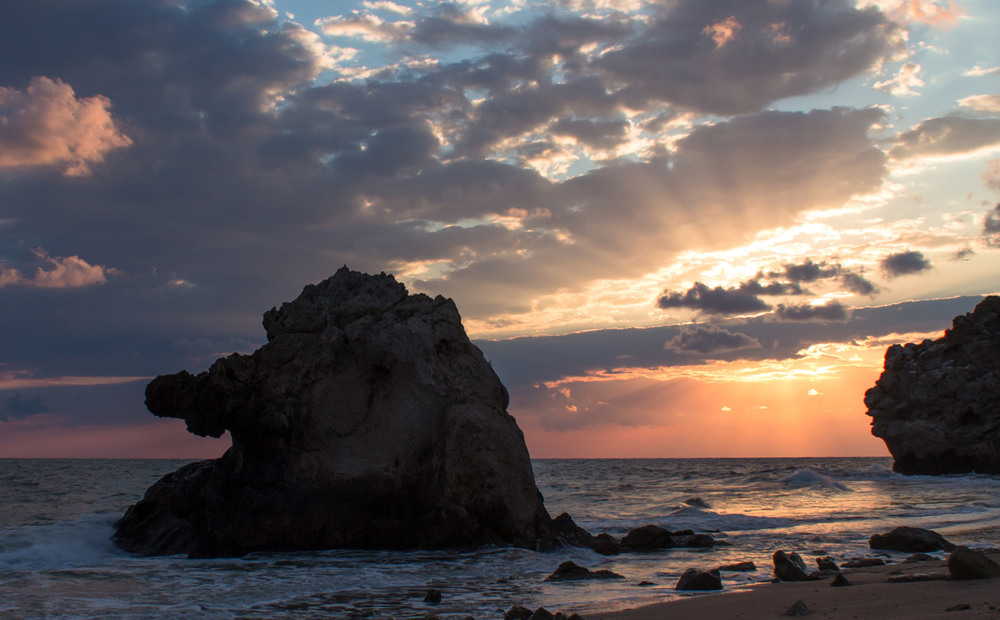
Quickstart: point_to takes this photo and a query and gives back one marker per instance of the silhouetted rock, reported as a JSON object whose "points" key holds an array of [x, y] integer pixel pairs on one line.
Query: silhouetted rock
{"points": [[919, 557], [570, 571], [839, 581], [937, 403], [517, 612], [910, 540], [739, 567], [433, 596], [646, 538], [567, 532], [826, 564], [789, 566], [964, 563], [697, 579], [798, 610], [692, 541], [368, 420], [863, 563]]}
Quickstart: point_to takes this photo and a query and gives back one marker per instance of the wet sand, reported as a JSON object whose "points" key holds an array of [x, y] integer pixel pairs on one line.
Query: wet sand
{"points": [[871, 596]]}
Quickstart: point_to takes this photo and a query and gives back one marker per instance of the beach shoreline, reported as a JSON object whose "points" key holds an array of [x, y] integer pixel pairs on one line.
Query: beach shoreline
{"points": [[871, 595]]}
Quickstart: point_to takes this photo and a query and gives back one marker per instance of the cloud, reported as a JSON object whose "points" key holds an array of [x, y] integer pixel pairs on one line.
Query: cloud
{"points": [[904, 263], [830, 311], [777, 51], [19, 406], [938, 13], [745, 298], [810, 272], [364, 26], [61, 272], [710, 339], [717, 300], [978, 71], [982, 103], [904, 82], [857, 283], [991, 227], [47, 125], [945, 136]]}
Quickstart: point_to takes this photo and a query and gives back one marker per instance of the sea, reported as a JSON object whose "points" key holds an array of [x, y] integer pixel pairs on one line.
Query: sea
{"points": [[57, 559]]}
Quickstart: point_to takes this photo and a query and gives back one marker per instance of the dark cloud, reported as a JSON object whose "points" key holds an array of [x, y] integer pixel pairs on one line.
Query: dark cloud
{"points": [[734, 56], [710, 339], [528, 361], [745, 298], [19, 406], [947, 135], [245, 179], [717, 300], [991, 226], [829, 311], [857, 283], [810, 271], [904, 263]]}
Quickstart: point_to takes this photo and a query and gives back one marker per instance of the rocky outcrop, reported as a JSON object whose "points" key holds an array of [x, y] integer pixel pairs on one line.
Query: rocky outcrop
{"points": [[937, 403], [368, 420], [910, 540]]}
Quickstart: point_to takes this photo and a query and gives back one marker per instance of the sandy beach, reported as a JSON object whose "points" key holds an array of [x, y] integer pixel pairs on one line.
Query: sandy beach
{"points": [[872, 595]]}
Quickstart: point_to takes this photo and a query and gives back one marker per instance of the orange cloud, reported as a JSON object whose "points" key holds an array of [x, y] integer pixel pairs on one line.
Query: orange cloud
{"points": [[723, 32], [63, 272], [938, 13], [47, 125]]}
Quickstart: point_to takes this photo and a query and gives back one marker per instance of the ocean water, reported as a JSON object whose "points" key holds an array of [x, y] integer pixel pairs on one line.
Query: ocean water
{"points": [[56, 559]]}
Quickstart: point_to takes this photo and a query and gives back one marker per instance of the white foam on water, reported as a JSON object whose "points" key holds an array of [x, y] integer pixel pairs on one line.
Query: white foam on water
{"points": [[83, 541]]}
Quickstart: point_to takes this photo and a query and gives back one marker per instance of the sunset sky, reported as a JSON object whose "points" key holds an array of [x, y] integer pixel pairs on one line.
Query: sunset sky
{"points": [[677, 228]]}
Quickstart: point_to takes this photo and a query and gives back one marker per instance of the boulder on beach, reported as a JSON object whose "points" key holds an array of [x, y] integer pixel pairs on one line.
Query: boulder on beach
{"points": [[368, 420], [789, 566], [937, 403], [910, 540], [964, 563], [698, 579]]}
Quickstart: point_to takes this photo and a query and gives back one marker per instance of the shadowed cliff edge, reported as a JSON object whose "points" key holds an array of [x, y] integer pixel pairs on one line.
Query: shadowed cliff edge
{"points": [[368, 420], [937, 403]]}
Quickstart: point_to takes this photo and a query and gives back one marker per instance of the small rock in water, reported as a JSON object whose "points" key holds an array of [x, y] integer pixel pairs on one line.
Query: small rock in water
{"points": [[920, 557], [910, 540], [697, 502], [647, 538], [798, 610], [964, 563], [789, 566], [959, 607], [840, 581], [517, 612], [645, 584], [864, 563], [433, 596], [570, 571], [697, 579], [739, 567], [827, 564], [605, 544], [692, 541]]}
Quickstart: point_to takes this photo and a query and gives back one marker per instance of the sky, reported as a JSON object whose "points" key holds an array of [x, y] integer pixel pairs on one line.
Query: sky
{"points": [[676, 228]]}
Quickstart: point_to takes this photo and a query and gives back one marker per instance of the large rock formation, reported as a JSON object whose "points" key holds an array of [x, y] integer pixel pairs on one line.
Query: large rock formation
{"points": [[937, 403], [368, 420]]}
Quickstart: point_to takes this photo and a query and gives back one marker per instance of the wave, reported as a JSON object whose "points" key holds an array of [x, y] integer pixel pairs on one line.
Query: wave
{"points": [[809, 478], [82, 541]]}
